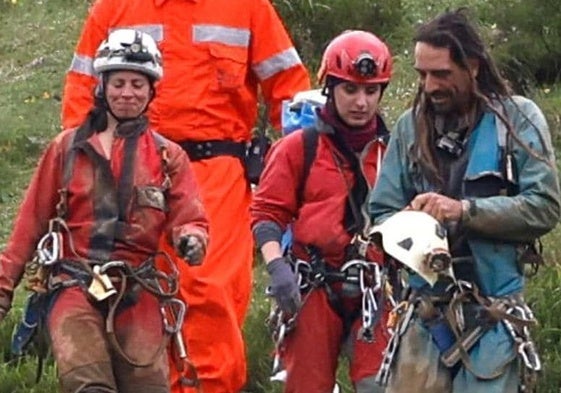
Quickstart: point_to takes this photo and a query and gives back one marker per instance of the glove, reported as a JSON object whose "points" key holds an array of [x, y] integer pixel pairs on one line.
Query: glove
{"points": [[284, 286], [191, 249]]}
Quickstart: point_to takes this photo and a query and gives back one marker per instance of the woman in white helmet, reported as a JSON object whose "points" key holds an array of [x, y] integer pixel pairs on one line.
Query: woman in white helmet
{"points": [[100, 200]]}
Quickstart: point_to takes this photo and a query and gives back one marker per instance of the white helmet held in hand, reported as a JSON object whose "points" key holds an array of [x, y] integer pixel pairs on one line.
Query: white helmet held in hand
{"points": [[418, 241], [132, 50]]}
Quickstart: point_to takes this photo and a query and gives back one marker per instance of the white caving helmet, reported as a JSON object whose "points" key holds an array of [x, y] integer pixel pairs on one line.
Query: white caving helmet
{"points": [[128, 49], [418, 241]]}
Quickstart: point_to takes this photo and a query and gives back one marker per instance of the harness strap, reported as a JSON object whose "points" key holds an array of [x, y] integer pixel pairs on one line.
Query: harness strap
{"points": [[365, 276], [494, 310], [494, 313], [68, 273], [110, 329], [310, 137]]}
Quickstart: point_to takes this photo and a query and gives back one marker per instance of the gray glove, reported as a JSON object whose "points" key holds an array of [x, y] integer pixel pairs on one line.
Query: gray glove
{"points": [[284, 286], [191, 249]]}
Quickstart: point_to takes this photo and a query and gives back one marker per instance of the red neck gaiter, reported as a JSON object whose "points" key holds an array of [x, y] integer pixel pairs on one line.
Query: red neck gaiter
{"points": [[354, 137]]}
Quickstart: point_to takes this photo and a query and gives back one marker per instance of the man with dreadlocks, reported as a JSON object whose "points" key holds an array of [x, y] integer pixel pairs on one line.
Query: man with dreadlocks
{"points": [[478, 159]]}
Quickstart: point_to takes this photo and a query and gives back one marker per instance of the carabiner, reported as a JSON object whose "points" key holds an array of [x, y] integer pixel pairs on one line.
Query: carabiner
{"points": [[49, 248], [302, 267], [369, 309], [178, 314], [530, 356]]}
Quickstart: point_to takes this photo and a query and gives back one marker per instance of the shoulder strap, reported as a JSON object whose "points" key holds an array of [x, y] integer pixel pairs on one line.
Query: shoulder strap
{"points": [[161, 144], [504, 141], [67, 159], [309, 142]]}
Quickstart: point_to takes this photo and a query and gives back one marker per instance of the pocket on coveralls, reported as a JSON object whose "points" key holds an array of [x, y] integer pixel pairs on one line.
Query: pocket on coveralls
{"points": [[230, 64]]}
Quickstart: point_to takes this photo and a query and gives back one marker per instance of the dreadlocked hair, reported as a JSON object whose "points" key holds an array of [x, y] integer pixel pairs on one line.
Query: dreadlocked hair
{"points": [[454, 31]]}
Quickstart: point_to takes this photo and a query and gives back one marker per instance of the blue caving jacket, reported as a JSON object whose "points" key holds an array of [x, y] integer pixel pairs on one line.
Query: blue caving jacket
{"points": [[497, 223]]}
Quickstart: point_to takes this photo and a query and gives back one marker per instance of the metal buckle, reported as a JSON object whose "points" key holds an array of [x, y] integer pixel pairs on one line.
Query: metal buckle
{"points": [[101, 286]]}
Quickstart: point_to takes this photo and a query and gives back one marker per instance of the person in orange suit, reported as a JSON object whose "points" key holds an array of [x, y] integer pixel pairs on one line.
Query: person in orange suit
{"points": [[218, 57]]}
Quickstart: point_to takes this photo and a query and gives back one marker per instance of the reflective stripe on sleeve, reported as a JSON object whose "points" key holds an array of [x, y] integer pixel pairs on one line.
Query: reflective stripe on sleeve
{"points": [[277, 63], [221, 34], [82, 65], [155, 31]]}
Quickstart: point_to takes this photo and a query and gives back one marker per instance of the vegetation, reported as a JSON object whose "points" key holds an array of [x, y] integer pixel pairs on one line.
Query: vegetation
{"points": [[37, 40]]}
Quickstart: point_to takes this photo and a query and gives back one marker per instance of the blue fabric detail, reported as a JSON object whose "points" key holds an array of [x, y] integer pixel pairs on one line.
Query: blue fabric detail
{"points": [[33, 320], [496, 267], [294, 119], [493, 353], [485, 153], [494, 350], [442, 335], [286, 240]]}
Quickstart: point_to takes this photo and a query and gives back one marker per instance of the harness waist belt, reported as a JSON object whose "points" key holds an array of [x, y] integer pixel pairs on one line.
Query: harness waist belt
{"points": [[328, 273], [208, 149]]}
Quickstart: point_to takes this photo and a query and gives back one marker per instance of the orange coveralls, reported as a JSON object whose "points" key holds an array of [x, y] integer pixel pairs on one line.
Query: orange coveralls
{"points": [[218, 55]]}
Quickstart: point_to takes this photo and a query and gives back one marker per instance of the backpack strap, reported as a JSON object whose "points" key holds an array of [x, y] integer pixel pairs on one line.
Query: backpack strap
{"points": [[310, 138], [508, 164], [67, 164]]}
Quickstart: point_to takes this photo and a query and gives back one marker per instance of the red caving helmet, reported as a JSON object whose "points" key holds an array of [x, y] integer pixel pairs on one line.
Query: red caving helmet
{"points": [[356, 56]]}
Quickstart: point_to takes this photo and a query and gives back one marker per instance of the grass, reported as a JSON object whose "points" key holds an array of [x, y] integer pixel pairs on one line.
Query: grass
{"points": [[36, 45]]}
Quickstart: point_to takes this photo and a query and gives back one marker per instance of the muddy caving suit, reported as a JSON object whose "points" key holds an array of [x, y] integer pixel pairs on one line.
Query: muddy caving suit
{"points": [[329, 321], [486, 249], [115, 210]]}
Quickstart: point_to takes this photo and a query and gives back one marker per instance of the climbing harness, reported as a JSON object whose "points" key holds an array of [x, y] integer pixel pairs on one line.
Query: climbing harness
{"points": [[366, 277], [449, 310]]}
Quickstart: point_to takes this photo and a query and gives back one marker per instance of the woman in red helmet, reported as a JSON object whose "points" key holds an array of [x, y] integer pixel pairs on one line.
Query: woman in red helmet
{"points": [[328, 287]]}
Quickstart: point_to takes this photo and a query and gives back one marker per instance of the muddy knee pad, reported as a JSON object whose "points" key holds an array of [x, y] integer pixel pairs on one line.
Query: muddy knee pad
{"points": [[93, 378], [417, 367]]}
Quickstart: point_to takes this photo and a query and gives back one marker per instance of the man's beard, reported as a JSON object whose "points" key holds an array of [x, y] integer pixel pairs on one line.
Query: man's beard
{"points": [[441, 107]]}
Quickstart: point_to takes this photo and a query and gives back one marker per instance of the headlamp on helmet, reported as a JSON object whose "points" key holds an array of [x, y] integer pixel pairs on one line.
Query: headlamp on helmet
{"points": [[136, 52], [356, 56], [365, 65], [128, 49]]}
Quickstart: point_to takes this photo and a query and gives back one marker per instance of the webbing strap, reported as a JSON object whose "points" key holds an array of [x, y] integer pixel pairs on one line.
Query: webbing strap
{"points": [[310, 138]]}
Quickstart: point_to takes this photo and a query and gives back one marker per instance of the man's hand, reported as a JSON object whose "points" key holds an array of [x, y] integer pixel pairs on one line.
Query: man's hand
{"points": [[284, 286], [442, 208], [191, 249]]}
